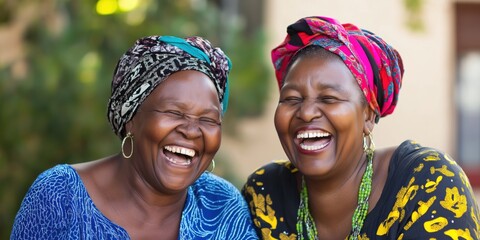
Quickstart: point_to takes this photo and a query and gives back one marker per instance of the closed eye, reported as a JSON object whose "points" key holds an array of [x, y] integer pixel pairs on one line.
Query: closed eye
{"points": [[329, 99], [291, 100], [173, 113], [209, 121]]}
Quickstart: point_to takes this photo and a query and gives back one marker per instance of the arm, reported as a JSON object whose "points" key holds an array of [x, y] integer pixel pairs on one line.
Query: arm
{"points": [[273, 199], [436, 201]]}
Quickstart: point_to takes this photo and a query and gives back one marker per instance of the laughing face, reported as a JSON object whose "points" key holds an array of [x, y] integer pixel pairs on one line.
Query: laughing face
{"points": [[321, 116], [177, 131]]}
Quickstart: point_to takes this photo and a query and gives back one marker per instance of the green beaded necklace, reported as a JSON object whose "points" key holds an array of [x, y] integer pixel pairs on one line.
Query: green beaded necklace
{"points": [[305, 220]]}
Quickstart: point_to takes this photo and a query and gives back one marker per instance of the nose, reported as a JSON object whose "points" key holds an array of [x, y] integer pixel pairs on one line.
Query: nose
{"points": [[308, 111], [189, 128]]}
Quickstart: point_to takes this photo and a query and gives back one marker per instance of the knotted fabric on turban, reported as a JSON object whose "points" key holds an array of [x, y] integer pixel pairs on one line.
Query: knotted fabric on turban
{"points": [[150, 61], [376, 66]]}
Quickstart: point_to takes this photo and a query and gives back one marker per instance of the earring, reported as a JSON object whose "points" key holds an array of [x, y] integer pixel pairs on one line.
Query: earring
{"points": [[130, 137], [368, 144], [213, 165]]}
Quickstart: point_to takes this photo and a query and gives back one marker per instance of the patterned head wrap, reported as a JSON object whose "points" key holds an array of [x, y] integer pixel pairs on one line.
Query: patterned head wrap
{"points": [[376, 66], [150, 61]]}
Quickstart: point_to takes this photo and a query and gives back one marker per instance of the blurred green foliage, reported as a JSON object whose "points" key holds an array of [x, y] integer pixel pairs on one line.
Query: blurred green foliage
{"points": [[53, 94], [414, 19]]}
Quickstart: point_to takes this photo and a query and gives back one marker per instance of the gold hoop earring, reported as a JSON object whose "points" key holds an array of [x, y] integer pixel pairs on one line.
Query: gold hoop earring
{"points": [[130, 137], [368, 144], [213, 165]]}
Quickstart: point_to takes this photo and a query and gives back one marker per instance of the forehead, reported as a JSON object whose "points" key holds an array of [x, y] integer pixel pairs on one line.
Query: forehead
{"points": [[191, 87], [317, 69]]}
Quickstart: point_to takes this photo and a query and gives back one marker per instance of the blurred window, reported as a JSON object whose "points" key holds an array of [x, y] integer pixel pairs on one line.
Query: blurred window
{"points": [[467, 88]]}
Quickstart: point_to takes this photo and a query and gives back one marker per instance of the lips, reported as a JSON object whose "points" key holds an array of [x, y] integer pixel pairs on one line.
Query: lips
{"points": [[313, 140], [180, 156]]}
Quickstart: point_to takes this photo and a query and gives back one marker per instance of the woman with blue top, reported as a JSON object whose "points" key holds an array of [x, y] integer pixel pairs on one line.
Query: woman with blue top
{"points": [[168, 98]]}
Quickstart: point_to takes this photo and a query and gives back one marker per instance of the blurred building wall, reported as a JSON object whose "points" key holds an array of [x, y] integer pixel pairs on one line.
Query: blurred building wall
{"points": [[425, 111]]}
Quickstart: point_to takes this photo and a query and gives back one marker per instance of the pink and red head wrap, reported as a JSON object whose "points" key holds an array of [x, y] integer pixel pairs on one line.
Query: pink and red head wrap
{"points": [[376, 66]]}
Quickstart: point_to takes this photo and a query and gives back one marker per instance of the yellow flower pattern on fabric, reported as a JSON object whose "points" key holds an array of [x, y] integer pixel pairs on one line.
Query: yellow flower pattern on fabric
{"points": [[476, 220], [283, 236], [262, 208], [427, 197], [436, 224], [267, 234], [403, 196], [419, 168], [450, 159], [432, 185], [454, 202], [456, 234], [422, 209], [443, 170], [433, 156], [363, 237]]}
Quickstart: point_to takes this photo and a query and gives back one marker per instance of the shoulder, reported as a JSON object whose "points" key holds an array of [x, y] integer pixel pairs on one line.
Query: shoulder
{"points": [[273, 198], [209, 183], [271, 175], [412, 155], [54, 181], [210, 189], [424, 164], [45, 208], [273, 170], [215, 206], [431, 189]]}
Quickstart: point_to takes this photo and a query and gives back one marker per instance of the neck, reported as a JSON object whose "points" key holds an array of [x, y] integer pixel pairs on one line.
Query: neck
{"points": [[324, 204], [331, 216], [343, 182], [145, 202]]}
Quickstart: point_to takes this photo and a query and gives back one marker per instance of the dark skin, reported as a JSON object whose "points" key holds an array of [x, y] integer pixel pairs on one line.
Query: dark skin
{"points": [[320, 96], [146, 193]]}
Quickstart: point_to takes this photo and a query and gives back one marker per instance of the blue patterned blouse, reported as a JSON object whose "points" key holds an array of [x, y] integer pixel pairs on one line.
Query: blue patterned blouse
{"points": [[57, 206]]}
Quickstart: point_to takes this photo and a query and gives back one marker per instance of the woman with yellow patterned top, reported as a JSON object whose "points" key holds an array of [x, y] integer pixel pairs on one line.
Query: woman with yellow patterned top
{"points": [[336, 81]]}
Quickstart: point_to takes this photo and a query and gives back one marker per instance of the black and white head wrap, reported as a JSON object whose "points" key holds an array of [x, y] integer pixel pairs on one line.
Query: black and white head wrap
{"points": [[150, 61]]}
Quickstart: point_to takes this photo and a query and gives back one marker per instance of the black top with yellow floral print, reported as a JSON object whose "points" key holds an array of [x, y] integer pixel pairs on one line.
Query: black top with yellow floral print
{"points": [[426, 196]]}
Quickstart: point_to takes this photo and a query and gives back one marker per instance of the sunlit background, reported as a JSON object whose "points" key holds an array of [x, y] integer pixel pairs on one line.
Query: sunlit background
{"points": [[57, 58]]}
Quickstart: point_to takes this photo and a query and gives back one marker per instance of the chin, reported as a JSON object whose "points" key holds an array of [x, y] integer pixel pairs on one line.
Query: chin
{"points": [[313, 167], [176, 182]]}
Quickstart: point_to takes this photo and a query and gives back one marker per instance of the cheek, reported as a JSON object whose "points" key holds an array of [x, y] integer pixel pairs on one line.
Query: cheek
{"points": [[156, 129], [345, 118], [213, 139], [279, 121], [282, 119]]}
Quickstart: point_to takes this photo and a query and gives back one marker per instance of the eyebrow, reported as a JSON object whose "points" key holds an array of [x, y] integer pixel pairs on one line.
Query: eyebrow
{"points": [[183, 105], [321, 86]]}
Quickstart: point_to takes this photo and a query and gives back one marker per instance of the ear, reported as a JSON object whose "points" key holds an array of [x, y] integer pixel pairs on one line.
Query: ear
{"points": [[369, 124]]}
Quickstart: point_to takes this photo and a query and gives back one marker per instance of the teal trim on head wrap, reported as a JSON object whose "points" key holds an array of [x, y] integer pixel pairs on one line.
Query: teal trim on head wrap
{"points": [[195, 52], [185, 46], [226, 92]]}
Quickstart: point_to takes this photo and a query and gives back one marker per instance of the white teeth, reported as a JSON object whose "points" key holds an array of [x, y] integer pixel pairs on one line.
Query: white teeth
{"points": [[312, 134], [312, 148], [184, 163], [181, 150]]}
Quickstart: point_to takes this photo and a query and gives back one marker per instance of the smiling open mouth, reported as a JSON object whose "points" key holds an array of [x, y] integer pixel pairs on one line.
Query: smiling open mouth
{"points": [[312, 140], [179, 155]]}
